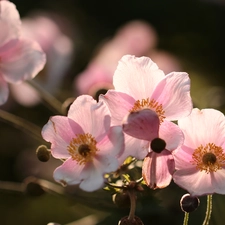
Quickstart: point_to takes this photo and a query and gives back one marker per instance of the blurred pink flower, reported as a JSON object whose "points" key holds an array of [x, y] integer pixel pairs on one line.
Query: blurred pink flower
{"points": [[162, 139], [43, 28], [21, 58], [135, 37], [140, 84], [200, 161], [86, 141]]}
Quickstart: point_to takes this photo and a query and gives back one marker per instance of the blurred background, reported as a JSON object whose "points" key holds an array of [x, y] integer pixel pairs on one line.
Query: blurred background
{"points": [[83, 41]]}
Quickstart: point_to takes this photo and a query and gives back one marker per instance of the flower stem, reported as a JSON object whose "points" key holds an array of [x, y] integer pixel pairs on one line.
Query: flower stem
{"points": [[186, 217], [50, 100], [22, 124], [208, 210], [132, 196]]}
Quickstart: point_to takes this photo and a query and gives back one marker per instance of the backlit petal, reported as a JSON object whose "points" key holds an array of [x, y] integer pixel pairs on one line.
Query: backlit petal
{"points": [[137, 77], [59, 131], [173, 92], [157, 169], [23, 61], [143, 124], [93, 117]]}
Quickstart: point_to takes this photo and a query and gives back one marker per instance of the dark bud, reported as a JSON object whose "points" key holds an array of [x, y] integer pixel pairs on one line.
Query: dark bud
{"points": [[43, 153], [126, 221], [33, 188], [158, 145], [189, 203], [122, 200], [101, 91]]}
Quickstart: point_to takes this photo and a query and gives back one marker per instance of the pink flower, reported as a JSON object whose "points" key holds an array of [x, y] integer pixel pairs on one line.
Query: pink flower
{"points": [[136, 37], [86, 141], [140, 84], [200, 162], [161, 141], [21, 58], [58, 47]]}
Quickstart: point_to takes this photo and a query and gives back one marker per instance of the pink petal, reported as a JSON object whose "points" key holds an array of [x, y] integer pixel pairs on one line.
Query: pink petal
{"points": [[171, 134], [218, 181], [94, 182], [137, 77], [157, 169], [173, 92], [113, 143], [183, 158], [70, 172], [134, 147], [4, 91], [143, 124], [106, 163], [59, 131], [119, 105], [93, 117], [22, 61], [195, 182], [203, 127], [10, 24]]}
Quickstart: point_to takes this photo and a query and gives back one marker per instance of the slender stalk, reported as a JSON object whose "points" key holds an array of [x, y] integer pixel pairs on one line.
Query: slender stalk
{"points": [[186, 217], [22, 124], [208, 210], [132, 196], [49, 99]]}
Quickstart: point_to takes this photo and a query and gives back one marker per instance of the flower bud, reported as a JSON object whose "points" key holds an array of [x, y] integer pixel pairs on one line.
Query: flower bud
{"points": [[122, 200], [158, 145], [126, 221], [189, 203], [33, 188], [43, 153]]}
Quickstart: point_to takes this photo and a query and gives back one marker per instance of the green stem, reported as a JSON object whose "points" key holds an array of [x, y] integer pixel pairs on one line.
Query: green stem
{"points": [[208, 210], [50, 100], [186, 217], [132, 196], [22, 124]]}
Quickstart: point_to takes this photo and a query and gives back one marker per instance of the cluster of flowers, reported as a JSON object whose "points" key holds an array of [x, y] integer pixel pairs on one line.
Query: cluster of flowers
{"points": [[148, 115], [136, 119]]}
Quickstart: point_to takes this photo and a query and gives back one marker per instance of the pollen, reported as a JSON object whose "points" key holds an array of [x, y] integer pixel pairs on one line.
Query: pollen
{"points": [[83, 148], [149, 104], [208, 158]]}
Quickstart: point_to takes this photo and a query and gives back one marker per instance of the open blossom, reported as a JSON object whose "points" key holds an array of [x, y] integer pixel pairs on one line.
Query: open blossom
{"points": [[200, 161], [87, 143], [161, 140], [59, 49], [140, 84], [21, 58]]}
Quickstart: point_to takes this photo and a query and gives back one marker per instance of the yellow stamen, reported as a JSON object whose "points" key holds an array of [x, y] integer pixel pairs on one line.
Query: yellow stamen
{"points": [[209, 158], [149, 104], [83, 148]]}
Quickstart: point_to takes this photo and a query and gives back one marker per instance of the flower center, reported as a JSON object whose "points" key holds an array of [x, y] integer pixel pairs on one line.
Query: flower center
{"points": [[83, 148], [149, 104], [209, 158]]}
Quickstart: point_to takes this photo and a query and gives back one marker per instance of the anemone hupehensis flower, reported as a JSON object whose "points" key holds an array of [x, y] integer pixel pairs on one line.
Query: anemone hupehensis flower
{"points": [[20, 58], [200, 161], [87, 143], [140, 85]]}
